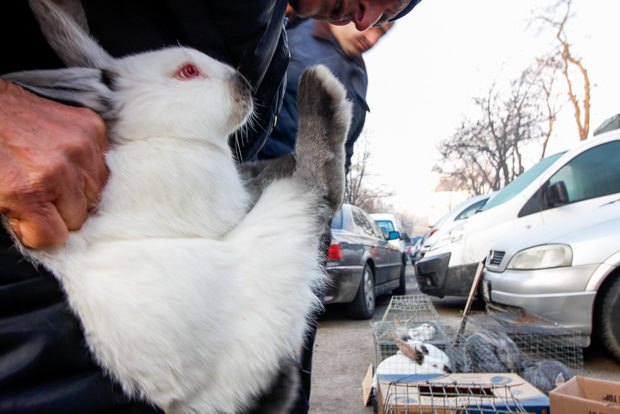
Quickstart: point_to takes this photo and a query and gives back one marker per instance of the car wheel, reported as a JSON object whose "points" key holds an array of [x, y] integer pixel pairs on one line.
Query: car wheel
{"points": [[363, 306], [402, 286], [609, 328]]}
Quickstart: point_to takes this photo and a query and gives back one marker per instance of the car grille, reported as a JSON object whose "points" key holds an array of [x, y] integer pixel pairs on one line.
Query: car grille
{"points": [[495, 258]]}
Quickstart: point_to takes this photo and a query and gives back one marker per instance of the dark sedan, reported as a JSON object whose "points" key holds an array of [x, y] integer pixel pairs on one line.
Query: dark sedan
{"points": [[361, 264]]}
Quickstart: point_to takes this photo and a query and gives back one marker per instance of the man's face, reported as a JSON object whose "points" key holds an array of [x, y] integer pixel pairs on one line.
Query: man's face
{"points": [[363, 13], [353, 42]]}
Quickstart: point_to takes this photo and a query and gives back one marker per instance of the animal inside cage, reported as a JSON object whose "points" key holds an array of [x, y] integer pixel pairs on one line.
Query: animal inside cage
{"points": [[542, 353], [414, 339], [414, 347], [536, 338], [457, 394]]}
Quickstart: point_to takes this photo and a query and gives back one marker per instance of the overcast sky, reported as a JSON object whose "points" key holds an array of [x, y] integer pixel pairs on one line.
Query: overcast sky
{"points": [[425, 73]]}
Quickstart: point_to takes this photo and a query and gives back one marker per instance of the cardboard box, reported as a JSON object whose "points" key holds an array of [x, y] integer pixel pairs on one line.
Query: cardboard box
{"points": [[367, 385], [447, 393], [586, 395]]}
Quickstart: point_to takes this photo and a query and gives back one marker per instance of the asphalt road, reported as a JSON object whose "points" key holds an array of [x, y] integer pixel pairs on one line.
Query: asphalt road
{"points": [[344, 350]]}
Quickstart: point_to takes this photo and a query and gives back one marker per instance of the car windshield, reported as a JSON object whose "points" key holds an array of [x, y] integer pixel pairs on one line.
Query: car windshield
{"points": [[471, 210], [386, 226], [337, 221], [518, 184]]}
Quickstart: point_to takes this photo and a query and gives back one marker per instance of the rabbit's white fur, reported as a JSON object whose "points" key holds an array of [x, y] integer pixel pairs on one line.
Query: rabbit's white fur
{"points": [[423, 332], [189, 294], [184, 295], [429, 360]]}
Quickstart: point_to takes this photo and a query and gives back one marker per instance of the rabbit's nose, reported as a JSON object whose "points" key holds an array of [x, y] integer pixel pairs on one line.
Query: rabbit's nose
{"points": [[244, 83], [244, 87]]}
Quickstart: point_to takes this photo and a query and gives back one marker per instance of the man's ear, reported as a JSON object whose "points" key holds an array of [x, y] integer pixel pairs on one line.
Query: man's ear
{"points": [[73, 86]]}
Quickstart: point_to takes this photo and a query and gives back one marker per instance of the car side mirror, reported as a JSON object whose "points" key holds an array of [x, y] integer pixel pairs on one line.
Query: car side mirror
{"points": [[393, 235], [556, 194], [405, 237]]}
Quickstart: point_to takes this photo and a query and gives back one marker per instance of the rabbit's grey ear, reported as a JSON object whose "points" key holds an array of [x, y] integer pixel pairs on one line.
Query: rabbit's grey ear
{"points": [[74, 86], [63, 24]]}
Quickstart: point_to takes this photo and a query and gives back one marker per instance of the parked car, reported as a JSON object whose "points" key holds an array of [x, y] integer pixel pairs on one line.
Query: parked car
{"points": [[417, 253], [387, 223], [463, 211], [413, 246], [557, 189], [568, 273], [361, 263]]}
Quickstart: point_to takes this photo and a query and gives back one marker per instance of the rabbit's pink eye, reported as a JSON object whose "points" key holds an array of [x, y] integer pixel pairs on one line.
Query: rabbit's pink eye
{"points": [[188, 71]]}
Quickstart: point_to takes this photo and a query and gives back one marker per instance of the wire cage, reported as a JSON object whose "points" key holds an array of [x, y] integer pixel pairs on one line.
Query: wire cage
{"points": [[413, 319], [536, 338], [411, 307], [432, 334], [440, 397], [412, 341]]}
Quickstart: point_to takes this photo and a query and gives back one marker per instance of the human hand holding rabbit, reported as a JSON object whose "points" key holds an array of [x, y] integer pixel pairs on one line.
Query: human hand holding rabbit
{"points": [[176, 301], [52, 165]]}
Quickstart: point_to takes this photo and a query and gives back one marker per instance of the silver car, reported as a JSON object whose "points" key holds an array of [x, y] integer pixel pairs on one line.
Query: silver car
{"points": [[568, 273]]}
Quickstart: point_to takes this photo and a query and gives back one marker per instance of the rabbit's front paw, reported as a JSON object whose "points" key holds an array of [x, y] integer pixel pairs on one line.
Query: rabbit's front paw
{"points": [[324, 118]]}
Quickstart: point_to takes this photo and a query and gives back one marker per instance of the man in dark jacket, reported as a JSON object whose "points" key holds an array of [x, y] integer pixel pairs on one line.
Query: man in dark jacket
{"points": [[52, 169], [340, 48]]}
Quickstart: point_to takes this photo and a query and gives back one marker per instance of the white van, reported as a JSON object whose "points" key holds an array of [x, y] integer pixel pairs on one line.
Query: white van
{"points": [[557, 189], [389, 223]]}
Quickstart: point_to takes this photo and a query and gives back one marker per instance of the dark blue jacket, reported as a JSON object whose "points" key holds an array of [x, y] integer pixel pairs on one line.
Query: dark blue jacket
{"points": [[45, 366], [311, 43]]}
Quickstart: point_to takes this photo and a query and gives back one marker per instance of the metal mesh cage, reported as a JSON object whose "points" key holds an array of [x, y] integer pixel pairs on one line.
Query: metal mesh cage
{"points": [[434, 335], [414, 317], [537, 338], [438, 397], [413, 340], [411, 307]]}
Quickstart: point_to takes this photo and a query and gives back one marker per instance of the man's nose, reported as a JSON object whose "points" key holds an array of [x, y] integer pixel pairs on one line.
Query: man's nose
{"points": [[368, 13]]}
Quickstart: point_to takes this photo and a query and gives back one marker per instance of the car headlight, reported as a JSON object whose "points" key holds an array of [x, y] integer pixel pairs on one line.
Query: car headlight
{"points": [[542, 257]]}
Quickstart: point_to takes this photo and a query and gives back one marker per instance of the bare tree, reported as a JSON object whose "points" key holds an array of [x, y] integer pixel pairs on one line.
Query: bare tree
{"points": [[543, 75], [485, 153], [357, 191], [572, 67], [411, 223]]}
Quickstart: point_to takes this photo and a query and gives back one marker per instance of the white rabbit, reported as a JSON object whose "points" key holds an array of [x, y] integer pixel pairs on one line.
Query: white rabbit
{"points": [[423, 332], [400, 329], [178, 276], [400, 364], [412, 358], [415, 357], [427, 354]]}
